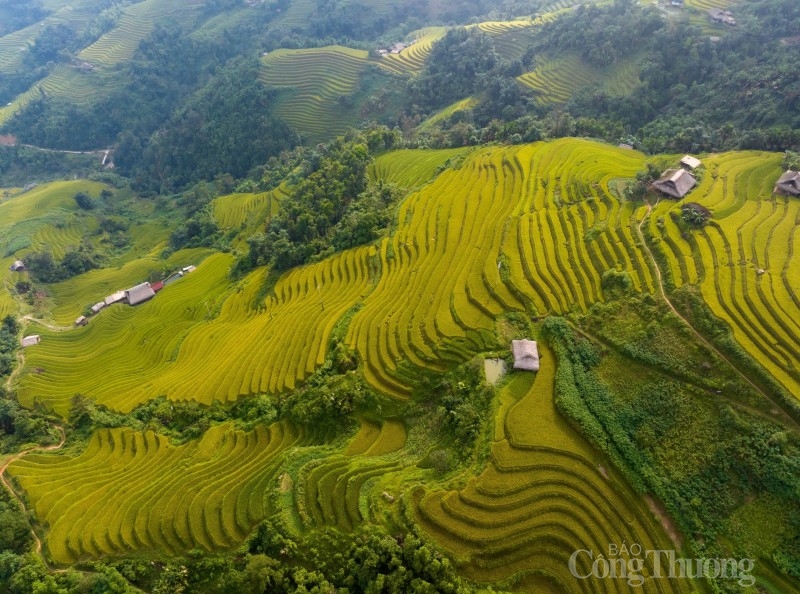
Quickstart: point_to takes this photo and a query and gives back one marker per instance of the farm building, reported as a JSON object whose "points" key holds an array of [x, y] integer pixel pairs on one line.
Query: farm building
{"points": [[721, 16], [82, 321], [526, 354], [188, 269], [18, 266], [114, 298], [31, 340], [98, 306], [157, 286], [675, 183], [139, 293], [689, 162], [788, 183]]}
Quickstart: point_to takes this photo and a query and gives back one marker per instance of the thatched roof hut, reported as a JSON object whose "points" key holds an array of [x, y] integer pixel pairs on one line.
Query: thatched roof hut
{"points": [[691, 162], [788, 183], [675, 183], [139, 293], [526, 354]]}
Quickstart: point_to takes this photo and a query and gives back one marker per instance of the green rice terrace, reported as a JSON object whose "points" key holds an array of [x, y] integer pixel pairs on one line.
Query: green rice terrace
{"points": [[315, 82], [654, 339]]}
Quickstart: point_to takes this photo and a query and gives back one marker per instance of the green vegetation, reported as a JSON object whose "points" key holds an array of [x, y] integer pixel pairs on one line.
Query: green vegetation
{"points": [[320, 83], [302, 406]]}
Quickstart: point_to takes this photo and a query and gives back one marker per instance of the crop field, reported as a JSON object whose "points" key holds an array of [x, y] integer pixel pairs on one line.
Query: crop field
{"points": [[315, 81], [131, 491], [707, 4], [412, 59], [298, 13], [752, 230], [333, 489], [73, 296], [413, 167], [512, 38], [443, 114], [542, 497], [505, 231], [63, 12], [46, 215], [216, 26], [246, 210], [139, 19], [555, 80], [179, 337], [77, 86]]}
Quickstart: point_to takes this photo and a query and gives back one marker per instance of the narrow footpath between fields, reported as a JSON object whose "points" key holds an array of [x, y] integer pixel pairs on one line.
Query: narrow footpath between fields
{"points": [[697, 334], [7, 484]]}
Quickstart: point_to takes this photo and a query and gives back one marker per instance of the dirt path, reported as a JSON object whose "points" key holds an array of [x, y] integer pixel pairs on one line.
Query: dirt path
{"points": [[46, 325], [10, 488], [697, 334]]}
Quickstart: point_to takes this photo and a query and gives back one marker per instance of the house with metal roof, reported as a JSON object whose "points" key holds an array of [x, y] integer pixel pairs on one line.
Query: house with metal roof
{"points": [[139, 294]]}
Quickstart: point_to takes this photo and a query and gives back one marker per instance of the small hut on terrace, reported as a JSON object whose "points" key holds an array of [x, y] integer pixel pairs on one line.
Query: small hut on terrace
{"points": [[675, 183], [526, 354], [689, 162], [788, 183], [18, 266], [31, 340], [139, 294]]}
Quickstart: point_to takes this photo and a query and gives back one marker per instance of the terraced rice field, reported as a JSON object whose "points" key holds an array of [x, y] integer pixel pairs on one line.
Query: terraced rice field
{"points": [[505, 231], [298, 13], [200, 339], [708, 4], [216, 26], [77, 86], [413, 167], [131, 491], [412, 59], [556, 80], [23, 219], [135, 24], [443, 114], [316, 80], [73, 296], [7, 303], [333, 490], [65, 12], [238, 210], [513, 38], [542, 497], [752, 230]]}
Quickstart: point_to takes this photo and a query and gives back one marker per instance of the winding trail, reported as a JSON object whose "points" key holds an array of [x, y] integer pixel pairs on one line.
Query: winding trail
{"points": [[697, 334], [52, 327], [19, 500]]}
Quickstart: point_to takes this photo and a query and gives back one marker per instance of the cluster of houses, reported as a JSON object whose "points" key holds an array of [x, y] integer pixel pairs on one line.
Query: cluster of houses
{"points": [[676, 183], [396, 48], [718, 15], [135, 295]]}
